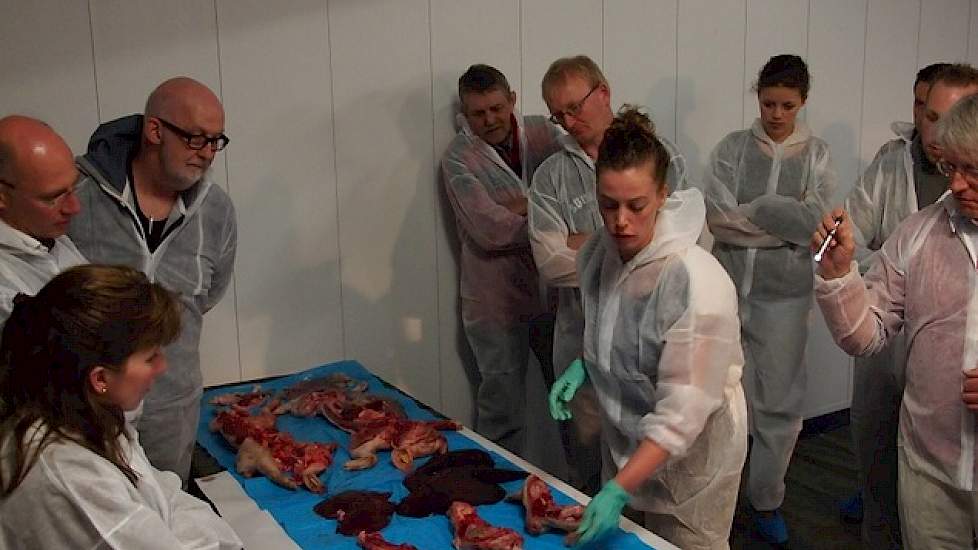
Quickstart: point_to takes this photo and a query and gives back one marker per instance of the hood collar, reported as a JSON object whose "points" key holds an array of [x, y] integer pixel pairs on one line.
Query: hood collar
{"points": [[801, 134]]}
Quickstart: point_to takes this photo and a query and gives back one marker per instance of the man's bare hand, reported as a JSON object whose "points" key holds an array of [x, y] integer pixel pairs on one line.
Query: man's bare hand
{"points": [[838, 255], [576, 240]]}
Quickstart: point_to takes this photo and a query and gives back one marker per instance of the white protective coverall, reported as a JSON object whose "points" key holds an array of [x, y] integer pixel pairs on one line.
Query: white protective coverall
{"points": [[662, 349], [26, 265], [74, 498], [923, 282], [563, 202], [763, 200], [882, 198], [499, 286]]}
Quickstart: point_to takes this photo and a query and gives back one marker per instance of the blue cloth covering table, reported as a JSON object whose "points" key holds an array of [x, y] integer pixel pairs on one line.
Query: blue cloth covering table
{"points": [[293, 510]]}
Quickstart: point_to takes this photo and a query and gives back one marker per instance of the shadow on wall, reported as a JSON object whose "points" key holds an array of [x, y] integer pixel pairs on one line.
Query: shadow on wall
{"points": [[695, 160]]}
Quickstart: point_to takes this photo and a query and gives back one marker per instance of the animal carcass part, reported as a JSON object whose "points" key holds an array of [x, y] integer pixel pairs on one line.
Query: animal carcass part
{"points": [[542, 512], [374, 541], [262, 448], [242, 399], [472, 532], [357, 511]]}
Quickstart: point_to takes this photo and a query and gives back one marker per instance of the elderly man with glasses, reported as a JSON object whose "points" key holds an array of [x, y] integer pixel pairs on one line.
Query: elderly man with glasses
{"points": [[923, 282], [37, 200], [148, 202], [563, 212]]}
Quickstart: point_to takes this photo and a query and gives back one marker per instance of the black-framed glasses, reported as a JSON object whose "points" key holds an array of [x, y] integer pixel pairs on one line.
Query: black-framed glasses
{"points": [[197, 141], [574, 109], [969, 173]]}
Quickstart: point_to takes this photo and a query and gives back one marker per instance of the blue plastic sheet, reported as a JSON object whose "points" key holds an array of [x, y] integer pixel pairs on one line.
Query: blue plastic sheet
{"points": [[293, 509]]}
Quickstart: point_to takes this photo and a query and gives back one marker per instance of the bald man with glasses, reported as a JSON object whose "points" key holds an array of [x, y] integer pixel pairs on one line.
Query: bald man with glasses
{"points": [[37, 201], [149, 203]]}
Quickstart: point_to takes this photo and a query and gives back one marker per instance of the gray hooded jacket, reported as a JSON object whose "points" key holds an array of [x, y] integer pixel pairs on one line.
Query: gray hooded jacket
{"points": [[195, 260]]}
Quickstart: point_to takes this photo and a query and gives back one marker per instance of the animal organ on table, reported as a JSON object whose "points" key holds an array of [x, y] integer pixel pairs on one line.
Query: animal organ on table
{"points": [[472, 532], [242, 399], [263, 448], [543, 513], [357, 511], [467, 475]]}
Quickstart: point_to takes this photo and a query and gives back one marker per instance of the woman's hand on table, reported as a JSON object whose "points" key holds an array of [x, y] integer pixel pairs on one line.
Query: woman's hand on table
{"points": [[602, 513]]}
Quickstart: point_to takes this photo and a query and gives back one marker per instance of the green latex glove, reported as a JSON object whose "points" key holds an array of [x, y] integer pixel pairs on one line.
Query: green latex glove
{"points": [[603, 513], [564, 389]]}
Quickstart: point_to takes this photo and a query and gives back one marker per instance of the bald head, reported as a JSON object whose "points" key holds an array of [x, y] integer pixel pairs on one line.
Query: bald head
{"points": [[176, 95], [38, 176]]}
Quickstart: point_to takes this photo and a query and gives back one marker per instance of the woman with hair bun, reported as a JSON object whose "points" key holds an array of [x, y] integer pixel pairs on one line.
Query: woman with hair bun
{"points": [[662, 349], [766, 187], [73, 360]]}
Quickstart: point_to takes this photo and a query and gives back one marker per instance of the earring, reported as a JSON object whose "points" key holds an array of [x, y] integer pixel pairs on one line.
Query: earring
{"points": [[103, 389]]}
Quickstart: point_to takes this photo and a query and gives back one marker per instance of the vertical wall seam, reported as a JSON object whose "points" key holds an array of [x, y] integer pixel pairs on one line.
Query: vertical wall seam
{"points": [[336, 178], [743, 67], [862, 92], [227, 170], [675, 96], [91, 36], [437, 209], [920, 27], [605, 68]]}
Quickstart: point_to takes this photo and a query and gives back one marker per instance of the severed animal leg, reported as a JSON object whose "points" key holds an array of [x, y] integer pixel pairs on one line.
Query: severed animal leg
{"points": [[252, 458]]}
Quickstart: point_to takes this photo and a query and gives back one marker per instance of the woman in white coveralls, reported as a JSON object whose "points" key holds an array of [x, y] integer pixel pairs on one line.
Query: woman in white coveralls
{"points": [[662, 349]]}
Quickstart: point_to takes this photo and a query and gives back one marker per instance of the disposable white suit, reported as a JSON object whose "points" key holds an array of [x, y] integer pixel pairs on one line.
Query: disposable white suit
{"points": [[74, 498], [881, 199], [924, 282], [499, 287], [662, 349], [563, 202], [26, 265], [763, 200]]}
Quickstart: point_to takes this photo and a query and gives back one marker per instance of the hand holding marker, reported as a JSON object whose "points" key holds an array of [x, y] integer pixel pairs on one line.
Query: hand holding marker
{"points": [[828, 239]]}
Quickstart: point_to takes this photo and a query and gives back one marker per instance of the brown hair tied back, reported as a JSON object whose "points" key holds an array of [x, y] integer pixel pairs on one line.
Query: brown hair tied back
{"points": [[629, 142]]}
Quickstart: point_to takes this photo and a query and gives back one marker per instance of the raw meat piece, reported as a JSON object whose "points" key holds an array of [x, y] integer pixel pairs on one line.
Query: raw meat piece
{"points": [[263, 448], [357, 511], [472, 532], [542, 512], [408, 439], [374, 541], [242, 399]]}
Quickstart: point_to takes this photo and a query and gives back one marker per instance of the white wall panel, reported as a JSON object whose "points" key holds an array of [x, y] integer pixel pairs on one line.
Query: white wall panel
{"points": [[711, 69], [891, 66], [453, 48], [47, 67], [137, 45], [552, 29], [836, 31], [973, 34], [284, 185], [773, 27], [386, 182], [944, 27], [640, 57]]}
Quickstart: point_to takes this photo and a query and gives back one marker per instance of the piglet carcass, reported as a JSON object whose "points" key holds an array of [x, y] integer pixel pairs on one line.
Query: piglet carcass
{"points": [[375, 541], [263, 448], [407, 439], [542, 512], [472, 532], [242, 399]]}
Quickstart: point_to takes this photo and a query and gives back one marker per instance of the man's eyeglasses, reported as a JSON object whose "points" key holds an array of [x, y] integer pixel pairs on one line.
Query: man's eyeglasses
{"points": [[574, 109], [50, 202], [969, 173], [197, 141]]}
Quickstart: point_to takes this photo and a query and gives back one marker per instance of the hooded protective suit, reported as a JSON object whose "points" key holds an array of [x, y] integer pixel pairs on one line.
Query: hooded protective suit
{"points": [[923, 282], [562, 202], [763, 200], [26, 265], [662, 349], [499, 287], [195, 260], [74, 498], [882, 198]]}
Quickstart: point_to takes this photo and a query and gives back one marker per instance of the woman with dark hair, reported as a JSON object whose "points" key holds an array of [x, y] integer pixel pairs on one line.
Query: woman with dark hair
{"points": [[73, 360], [662, 349], [765, 189]]}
